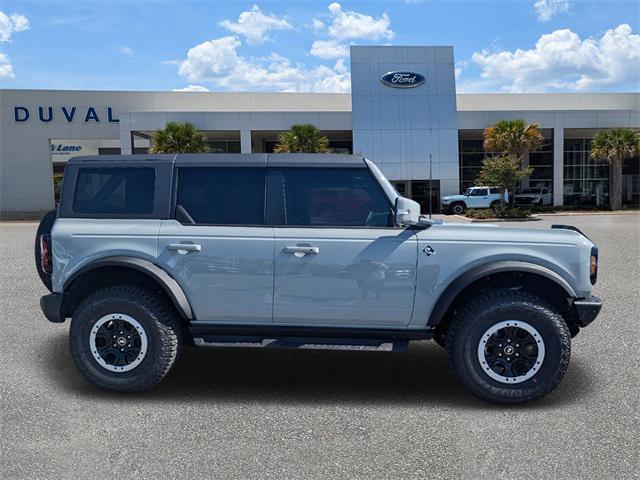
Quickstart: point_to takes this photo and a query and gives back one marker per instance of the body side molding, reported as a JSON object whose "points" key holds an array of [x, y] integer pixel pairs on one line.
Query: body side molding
{"points": [[467, 278], [168, 283]]}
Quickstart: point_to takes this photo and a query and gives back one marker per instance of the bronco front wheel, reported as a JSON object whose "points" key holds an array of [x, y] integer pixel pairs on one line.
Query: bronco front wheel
{"points": [[508, 347], [125, 338]]}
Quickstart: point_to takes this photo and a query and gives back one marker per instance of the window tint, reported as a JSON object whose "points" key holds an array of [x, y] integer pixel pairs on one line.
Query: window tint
{"points": [[334, 197], [478, 192], [495, 191], [114, 191], [222, 196]]}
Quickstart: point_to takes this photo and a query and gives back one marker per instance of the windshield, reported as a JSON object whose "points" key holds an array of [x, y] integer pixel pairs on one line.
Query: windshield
{"points": [[531, 190]]}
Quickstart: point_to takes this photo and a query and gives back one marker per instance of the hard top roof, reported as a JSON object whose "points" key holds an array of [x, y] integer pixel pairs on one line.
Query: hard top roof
{"points": [[230, 159]]}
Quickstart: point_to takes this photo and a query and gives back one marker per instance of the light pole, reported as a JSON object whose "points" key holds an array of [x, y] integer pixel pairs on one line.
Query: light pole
{"points": [[430, 170]]}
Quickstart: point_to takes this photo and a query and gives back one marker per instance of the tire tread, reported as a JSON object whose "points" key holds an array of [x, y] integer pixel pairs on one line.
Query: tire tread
{"points": [[165, 319], [500, 299]]}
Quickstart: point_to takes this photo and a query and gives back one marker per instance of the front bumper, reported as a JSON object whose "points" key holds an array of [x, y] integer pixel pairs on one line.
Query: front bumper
{"points": [[51, 306], [587, 310]]}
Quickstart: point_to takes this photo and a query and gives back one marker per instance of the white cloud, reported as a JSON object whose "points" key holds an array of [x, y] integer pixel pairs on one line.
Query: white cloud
{"points": [[254, 25], [547, 9], [125, 51], [6, 70], [192, 88], [211, 58], [317, 25], [562, 60], [347, 25], [329, 49], [10, 24], [218, 62]]}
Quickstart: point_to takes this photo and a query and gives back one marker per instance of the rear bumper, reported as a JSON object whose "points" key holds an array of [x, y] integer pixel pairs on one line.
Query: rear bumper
{"points": [[51, 306], [587, 310]]}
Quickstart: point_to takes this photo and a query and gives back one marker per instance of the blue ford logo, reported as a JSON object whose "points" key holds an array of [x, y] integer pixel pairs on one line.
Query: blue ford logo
{"points": [[402, 79]]}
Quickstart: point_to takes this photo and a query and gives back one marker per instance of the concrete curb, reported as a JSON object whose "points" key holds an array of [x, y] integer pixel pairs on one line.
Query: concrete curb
{"points": [[569, 213]]}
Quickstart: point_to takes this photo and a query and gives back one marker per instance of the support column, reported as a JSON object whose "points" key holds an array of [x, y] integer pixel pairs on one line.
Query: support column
{"points": [[558, 166], [245, 141], [525, 163], [126, 140]]}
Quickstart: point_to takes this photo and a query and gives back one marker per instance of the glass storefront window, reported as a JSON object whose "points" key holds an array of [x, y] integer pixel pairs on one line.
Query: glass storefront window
{"points": [[224, 146], [586, 181], [472, 154]]}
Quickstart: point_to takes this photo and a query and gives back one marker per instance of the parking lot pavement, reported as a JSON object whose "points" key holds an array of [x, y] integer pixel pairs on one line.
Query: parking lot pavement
{"points": [[234, 413]]}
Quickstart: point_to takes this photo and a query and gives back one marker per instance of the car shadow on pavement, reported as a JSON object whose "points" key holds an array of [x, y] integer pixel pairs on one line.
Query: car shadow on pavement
{"points": [[247, 375]]}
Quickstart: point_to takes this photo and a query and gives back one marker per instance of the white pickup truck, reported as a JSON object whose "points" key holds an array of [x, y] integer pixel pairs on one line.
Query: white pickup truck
{"points": [[473, 197]]}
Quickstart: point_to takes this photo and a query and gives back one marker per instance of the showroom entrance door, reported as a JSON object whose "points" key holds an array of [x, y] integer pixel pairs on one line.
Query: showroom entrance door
{"points": [[419, 191]]}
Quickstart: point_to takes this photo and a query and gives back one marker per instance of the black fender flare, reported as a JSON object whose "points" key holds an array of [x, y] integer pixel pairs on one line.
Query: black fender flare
{"points": [[160, 276], [467, 278]]}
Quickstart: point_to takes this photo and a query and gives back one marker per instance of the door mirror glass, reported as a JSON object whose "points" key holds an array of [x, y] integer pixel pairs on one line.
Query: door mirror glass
{"points": [[407, 211]]}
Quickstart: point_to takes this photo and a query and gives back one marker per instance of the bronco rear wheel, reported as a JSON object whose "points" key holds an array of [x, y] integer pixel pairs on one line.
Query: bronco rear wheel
{"points": [[125, 338], [508, 347]]}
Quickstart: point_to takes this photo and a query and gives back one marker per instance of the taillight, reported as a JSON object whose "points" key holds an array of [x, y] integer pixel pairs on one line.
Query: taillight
{"points": [[45, 253], [593, 266]]}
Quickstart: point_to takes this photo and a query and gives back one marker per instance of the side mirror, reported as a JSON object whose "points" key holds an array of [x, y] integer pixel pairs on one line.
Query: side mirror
{"points": [[407, 211]]}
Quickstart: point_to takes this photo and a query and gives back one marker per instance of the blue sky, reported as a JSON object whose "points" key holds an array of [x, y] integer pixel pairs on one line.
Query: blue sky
{"points": [[500, 46]]}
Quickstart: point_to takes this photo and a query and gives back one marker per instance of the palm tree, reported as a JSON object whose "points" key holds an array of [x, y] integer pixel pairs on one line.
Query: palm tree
{"points": [[302, 139], [615, 145], [178, 137], [513, 137]]}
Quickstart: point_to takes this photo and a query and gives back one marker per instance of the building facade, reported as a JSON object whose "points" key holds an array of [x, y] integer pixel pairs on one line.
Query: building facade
{"points": [[403, 113]]}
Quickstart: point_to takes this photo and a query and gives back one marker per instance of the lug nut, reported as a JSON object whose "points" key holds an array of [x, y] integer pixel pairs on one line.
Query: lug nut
{"points": [[517, 354]]}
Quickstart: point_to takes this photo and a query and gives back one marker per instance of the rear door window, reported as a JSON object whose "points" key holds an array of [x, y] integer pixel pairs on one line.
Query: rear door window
{"points": [[222, 196], [118, 191], [339, 197]]}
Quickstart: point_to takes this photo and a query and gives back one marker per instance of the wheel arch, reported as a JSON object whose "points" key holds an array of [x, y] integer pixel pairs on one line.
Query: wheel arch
{"points": [[106, 271], [508, 274]]}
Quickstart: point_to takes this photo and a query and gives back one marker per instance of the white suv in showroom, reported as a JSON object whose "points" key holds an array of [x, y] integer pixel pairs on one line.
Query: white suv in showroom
{"points": [[473, 197]]}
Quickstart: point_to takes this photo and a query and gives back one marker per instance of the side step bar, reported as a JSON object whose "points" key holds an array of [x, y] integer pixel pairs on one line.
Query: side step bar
{"points": [[309, 343]]}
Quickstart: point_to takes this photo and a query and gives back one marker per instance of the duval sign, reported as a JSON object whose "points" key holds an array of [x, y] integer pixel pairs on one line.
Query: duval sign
{"points": [[402, 79], [46, 114]]}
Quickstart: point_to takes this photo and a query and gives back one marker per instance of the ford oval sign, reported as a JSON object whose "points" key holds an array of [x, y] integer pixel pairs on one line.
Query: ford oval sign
{"points": [[402, 79]]}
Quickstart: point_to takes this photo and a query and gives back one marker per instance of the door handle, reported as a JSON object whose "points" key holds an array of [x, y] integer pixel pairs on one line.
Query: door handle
{"points": [[184, 248], [314, 250]]}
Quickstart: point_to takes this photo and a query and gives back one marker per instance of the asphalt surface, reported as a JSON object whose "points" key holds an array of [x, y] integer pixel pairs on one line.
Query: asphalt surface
{"points": [[242, 413]]}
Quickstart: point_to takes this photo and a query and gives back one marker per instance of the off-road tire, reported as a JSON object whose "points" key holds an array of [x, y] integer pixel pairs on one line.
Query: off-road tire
{"points": [[495, 204], [46, 224], [458, 208], [162, 326], [473, 319]]}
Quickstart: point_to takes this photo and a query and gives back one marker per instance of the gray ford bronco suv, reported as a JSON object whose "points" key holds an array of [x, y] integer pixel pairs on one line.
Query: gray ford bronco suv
{"points": [[148, 253]]}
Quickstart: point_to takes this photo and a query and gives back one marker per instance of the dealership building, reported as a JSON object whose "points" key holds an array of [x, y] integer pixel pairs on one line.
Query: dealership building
{"points": [[403, 113]]}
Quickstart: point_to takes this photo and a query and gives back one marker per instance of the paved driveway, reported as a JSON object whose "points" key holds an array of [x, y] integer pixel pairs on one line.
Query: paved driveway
{"points": [[234, 413]]}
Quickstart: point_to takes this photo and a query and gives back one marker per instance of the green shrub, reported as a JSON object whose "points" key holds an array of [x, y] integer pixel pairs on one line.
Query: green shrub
{"points": [[480, 214], [499, 212]]}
